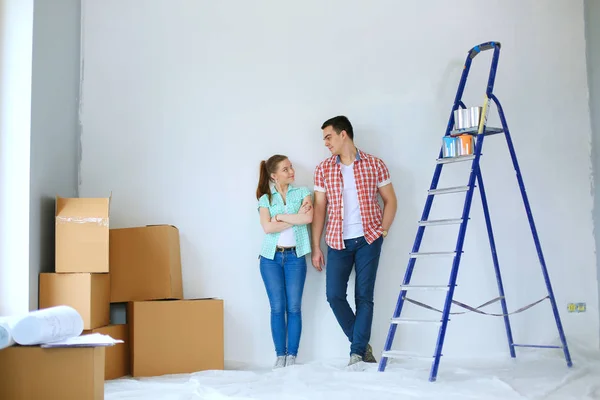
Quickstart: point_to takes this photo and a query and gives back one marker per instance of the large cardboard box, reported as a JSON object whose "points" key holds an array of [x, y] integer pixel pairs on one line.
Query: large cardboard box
{"points": [[175, 336], [89, 294], [117, 362], [33, 373], [145, 264], [81, 242]]}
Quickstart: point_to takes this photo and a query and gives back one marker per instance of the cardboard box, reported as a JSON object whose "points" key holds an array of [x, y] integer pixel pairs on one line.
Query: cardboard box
{"points": [[89, 294], [175, 336], [31, 373], [81, 241], [145, 264], [116, 364]]}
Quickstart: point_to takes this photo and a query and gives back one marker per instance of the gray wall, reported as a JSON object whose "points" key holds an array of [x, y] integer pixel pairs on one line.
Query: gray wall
{"points": [[592, 36], [54, 125]]}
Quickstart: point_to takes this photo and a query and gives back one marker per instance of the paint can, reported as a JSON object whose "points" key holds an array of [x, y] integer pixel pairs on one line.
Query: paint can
{"points": [[462, 118], [475, 116], [465, 118], [466, 145], [449, 147]]}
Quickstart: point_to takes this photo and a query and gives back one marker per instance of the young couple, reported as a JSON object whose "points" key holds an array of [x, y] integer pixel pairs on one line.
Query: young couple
{"points": [[346, 187]]}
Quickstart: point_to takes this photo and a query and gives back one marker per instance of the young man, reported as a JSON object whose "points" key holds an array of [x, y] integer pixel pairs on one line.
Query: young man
{"points": [[346, 186]]}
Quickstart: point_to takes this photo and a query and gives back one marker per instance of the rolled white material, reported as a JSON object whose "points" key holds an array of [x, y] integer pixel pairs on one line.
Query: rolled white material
{"points": [[48, 325], [6, 339], [6, 326]]}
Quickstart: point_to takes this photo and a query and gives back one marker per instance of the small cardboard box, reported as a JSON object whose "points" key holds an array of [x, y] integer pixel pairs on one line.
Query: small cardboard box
{"points": [[175, 336], [145, 264], [30, 373], [117, 362], [89, 294], [81, 242]]}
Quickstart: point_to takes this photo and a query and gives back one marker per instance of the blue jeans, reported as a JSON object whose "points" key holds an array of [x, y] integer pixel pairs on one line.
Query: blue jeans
{"points": [[284, 278], [365, 257]]}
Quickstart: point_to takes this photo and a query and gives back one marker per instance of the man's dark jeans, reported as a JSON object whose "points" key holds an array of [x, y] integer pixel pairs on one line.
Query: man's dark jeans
{"points": [[365, 258]]}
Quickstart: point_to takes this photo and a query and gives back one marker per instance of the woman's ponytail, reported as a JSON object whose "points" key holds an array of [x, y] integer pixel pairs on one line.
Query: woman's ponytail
{"points": [[263, 182], [266, 169]]}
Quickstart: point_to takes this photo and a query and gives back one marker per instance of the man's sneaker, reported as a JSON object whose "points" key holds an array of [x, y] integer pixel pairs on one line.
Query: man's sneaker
{"points": [[354, 359], [290, 360], [369, 357], [280, 362]]}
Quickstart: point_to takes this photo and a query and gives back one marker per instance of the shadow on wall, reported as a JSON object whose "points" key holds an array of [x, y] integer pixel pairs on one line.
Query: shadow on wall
{"points": [[41, 244], [394, 258], [46, 233]]}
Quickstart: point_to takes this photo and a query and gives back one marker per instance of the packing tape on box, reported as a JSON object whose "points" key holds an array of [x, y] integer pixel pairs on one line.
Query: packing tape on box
{"points": [[82, 220]]}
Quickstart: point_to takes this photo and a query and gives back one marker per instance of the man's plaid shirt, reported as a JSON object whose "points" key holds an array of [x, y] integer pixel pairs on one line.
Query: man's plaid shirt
{"points": [[370, 173]]}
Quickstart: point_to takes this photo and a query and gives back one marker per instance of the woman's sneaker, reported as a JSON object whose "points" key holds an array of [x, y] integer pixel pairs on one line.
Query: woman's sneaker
{"points": [[280, 362]]}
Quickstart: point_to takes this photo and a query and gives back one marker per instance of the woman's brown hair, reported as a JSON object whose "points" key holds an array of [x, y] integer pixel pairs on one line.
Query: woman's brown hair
{"points": [[267, 168]]}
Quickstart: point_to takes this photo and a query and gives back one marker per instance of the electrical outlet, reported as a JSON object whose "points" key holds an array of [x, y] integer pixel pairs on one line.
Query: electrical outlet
{"points": [[576, 307]]}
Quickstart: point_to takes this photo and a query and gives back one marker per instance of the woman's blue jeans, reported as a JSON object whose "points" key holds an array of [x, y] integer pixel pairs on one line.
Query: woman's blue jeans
{"points": [[284, 278]]}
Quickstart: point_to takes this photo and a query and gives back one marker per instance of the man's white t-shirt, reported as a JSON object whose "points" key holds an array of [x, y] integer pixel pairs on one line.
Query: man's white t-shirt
{"points": [[352, 224]]}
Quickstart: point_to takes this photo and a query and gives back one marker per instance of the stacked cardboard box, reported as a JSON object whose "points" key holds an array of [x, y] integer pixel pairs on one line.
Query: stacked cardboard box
{"points": [[82, 274], [163, 333], [140, 267], [31, 372], [81, 280], [168, 335]]}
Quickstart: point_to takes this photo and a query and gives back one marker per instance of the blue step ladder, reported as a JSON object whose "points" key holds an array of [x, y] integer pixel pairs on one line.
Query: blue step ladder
{"points": [[480, 133]]}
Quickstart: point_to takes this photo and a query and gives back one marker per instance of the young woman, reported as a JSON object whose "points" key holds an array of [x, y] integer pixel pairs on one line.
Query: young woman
{"points": [[285, 211]]}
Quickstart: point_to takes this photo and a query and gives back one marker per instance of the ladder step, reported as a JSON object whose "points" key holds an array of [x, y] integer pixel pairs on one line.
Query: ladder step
{"points": [[424, 287], [488, 130], [449, 160], [433, 222], [433, 254], [456, 189], [540, 346], [403, 354], [414, 321]]}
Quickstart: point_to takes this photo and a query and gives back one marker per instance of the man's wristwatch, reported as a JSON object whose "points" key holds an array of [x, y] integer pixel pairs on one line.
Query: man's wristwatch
{"points": [[384, 233]]}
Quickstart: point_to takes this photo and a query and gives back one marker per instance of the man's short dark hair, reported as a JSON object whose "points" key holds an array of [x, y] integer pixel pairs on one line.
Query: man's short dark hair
{"points": [[339, 124]]}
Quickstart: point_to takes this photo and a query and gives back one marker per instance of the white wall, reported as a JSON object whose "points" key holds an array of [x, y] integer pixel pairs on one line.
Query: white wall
{"points": [[592, 37], [182, 99], [54, 125], [16, 33]]}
